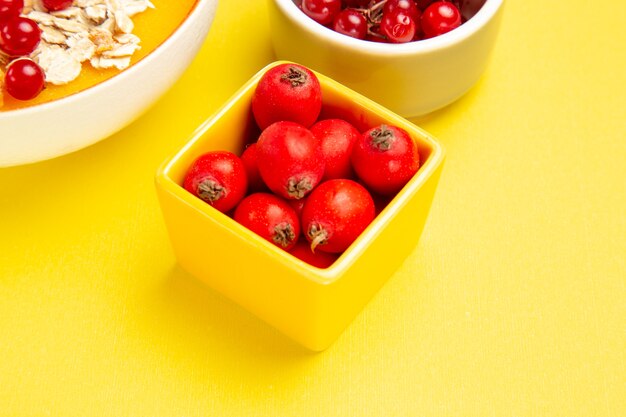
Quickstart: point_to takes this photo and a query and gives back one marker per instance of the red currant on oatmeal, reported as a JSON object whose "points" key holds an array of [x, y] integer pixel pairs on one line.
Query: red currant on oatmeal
{"points": [[322, 11], [398, 26], [352, 23], [24, 79], [10, 8], [439, 18], [19, 36], [56, 5]]}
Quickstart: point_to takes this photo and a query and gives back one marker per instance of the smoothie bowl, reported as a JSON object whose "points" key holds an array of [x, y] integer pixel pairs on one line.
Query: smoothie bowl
{"points": [[104, 64]]}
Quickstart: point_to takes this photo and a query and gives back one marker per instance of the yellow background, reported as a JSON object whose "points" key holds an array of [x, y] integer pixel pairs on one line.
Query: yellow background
{"points": [[513, 304]]}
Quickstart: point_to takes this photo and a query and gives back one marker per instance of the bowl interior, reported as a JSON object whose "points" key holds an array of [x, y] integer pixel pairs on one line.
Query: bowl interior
{"points": [[476, 13]]}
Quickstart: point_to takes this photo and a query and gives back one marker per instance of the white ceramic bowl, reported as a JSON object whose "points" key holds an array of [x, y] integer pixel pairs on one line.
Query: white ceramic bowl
{"points": [[41, 132], [411, 79]]}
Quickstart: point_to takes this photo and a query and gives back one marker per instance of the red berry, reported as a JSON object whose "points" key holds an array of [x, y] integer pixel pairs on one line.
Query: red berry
{"points": [[357, 3], [407, 5], [219, 178], [270, 217], [439, 18], [319, 259], [352, 23], [297, 205], [19, 36], [335, 214], [290, 159], [385, 158], [398, 26], [24, 79], [56, 5], [423, 4], [287, 92], [322, 11], [10, 8], [249, 158], [337, 137]]}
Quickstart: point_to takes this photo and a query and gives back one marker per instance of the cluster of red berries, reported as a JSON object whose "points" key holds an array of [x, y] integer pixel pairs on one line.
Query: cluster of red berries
{"points": [[308, 184], [391, 21], [19, 37]]}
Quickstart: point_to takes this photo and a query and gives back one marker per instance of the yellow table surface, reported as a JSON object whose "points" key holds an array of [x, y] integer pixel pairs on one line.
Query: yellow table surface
{"points": [[513, 304]]}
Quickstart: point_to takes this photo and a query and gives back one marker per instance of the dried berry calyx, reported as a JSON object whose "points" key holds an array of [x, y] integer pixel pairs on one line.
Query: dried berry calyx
{"points": [[297, 189], [284, 235], [382, 138], [295, 77], [210, 191]]}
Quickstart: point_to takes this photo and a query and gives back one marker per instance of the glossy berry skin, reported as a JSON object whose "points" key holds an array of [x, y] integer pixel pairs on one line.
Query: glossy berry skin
{"points": [[385, 158], [24, 79], [352, 23], [218, 178], [398, 26], [302, 250], [356, 3], [290, 159], [270, 217], [56, 5], [407, 6], [19, 36], [337, 137], [249, 158], [10, 8], [287, 92], [322, 11], [335, 214], [439, 18]]}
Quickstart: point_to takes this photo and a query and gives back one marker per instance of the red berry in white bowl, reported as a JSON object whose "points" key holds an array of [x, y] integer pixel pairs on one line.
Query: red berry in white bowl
{"points": [[24, 79], [322, 11], [398, 26], [287, 92], [352, 23], [439, 18]]}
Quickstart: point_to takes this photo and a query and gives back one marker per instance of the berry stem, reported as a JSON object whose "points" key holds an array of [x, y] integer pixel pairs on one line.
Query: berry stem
{"points": [[318, 236]]}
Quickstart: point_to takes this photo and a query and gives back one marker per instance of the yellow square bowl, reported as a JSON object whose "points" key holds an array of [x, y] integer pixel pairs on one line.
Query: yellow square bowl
{"points": [[310, 305]]}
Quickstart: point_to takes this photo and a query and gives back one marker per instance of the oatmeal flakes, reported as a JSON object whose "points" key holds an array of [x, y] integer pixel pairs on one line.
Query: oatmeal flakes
{"points": [[59, 65], [81, 47], [52, 35], [97, 14]]}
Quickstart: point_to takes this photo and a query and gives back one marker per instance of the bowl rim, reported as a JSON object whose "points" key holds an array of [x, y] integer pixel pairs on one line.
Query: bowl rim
{"points": [[456, 36], [117, 78], [321, 276]]}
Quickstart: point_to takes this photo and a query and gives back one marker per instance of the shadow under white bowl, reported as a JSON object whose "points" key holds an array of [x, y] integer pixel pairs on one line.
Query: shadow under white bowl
{"points": [[44, 131], [411, 79]]}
